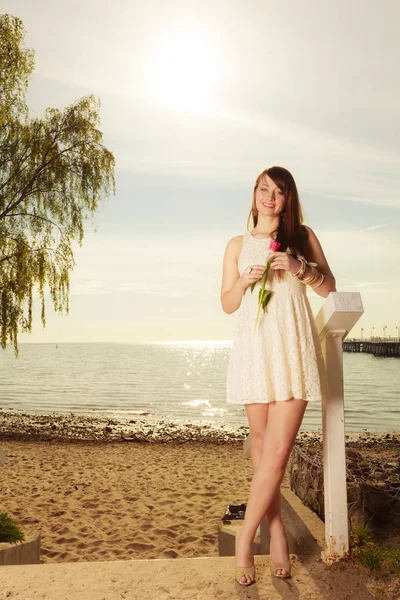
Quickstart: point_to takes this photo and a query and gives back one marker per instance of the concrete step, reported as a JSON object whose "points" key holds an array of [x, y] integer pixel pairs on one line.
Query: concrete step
{"points": [[305, 530], [205, 578]]}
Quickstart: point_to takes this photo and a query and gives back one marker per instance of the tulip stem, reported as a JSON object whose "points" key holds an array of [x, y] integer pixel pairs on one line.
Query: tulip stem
{"points": [[263, 298]]}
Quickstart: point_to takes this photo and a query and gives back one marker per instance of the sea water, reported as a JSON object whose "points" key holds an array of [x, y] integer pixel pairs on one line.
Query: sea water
{"points": [[173, 380]]}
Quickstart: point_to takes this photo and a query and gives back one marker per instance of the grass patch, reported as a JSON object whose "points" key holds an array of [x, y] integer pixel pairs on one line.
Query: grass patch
{"points": [[10, 531], [377, 557]]}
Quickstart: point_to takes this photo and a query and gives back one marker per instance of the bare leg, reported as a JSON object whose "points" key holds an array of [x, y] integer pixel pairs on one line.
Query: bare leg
{"points": [[257, 415], [283, 423]]}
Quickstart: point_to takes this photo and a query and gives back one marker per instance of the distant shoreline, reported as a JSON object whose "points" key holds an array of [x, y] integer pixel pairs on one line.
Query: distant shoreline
{"points": [[72, 427]]}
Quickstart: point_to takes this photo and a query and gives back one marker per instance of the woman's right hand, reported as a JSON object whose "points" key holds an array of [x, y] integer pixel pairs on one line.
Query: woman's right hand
{"points": [[247, 278]]}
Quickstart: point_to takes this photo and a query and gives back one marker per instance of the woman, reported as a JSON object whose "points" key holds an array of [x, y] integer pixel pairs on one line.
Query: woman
{"points": [[275, 369]]}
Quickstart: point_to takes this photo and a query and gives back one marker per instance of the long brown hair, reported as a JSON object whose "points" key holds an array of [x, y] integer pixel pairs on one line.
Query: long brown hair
{"points": [[290, 232]]}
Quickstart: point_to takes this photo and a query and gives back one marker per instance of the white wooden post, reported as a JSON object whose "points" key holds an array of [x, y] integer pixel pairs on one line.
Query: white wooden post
{"points": [[338, 315]]}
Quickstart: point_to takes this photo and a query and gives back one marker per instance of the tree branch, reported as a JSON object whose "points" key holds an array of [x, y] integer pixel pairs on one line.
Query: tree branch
{"points": [[37, 216], [30, 250], [38, 171]]}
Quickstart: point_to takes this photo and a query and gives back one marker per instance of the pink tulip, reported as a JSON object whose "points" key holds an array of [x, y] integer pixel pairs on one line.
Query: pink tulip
{"points": [[273, 246]]}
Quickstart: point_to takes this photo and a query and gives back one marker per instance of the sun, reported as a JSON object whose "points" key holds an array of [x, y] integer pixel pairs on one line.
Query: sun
{"points": [[185, 68]]}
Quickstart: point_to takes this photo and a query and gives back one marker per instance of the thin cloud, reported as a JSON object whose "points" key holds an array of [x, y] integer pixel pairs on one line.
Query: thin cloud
{"points": [[89, 288], [155, 289], [363, 284], [372, 227]]}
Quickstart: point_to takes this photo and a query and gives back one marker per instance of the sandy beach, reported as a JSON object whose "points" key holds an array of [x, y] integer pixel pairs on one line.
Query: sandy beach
{"points": [[100, 490], [116, 501]]}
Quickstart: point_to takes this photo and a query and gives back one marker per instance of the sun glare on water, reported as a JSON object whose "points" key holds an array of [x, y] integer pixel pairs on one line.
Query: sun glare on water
{"points": [[184, 68]]}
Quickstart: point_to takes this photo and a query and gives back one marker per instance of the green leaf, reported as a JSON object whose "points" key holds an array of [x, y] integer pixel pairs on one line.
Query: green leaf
{"points": [[267, 298]]}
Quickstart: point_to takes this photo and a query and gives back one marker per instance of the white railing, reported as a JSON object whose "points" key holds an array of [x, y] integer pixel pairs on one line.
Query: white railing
{"points": [[337, 317]]}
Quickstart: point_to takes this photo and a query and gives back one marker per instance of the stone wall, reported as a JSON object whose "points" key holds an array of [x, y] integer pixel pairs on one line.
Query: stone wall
{"points": [[373, 483]]}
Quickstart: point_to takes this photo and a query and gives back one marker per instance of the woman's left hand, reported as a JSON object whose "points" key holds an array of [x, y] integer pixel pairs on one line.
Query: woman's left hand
{"points": [[284, 261]]}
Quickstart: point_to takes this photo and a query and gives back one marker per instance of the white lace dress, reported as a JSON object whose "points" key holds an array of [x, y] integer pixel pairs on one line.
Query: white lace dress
{"points": [[283, 358]]}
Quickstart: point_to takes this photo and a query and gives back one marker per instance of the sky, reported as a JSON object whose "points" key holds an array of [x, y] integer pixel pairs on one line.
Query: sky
{"points": [[196, 99]]}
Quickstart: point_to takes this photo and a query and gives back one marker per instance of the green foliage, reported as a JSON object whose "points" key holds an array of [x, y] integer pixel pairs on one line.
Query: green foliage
{"points": [[10, 531], [393, 557], [377, 557], [372, 556], [16, 66], [53, 173], [361, 535]]}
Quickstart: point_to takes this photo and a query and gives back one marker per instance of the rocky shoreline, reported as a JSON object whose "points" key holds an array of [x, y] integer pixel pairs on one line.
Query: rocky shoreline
{"points": [[71, 427]]}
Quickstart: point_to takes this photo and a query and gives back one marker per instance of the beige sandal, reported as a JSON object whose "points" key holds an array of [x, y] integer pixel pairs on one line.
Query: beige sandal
{"points": [[240, 571], [285, 564]]}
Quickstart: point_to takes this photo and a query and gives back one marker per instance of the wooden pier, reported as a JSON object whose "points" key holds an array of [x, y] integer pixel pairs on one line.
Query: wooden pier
{"points": [[376, 346]]}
